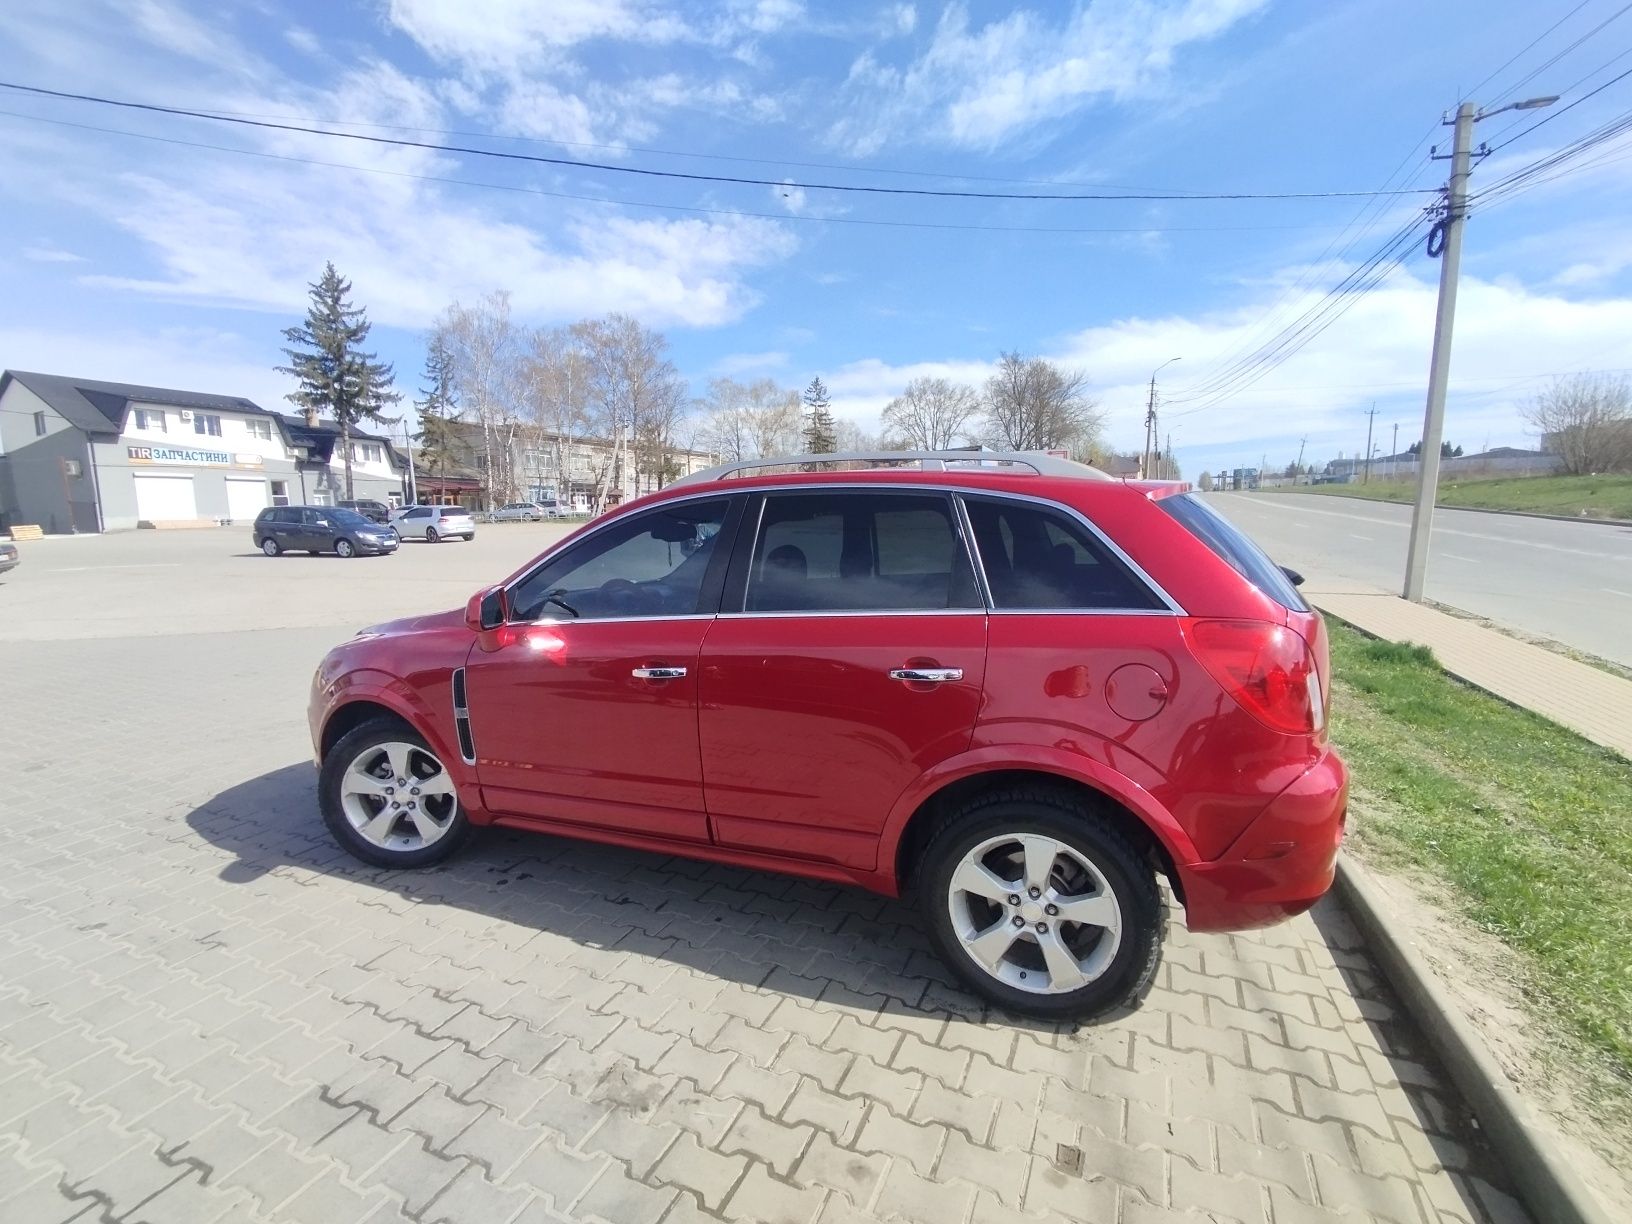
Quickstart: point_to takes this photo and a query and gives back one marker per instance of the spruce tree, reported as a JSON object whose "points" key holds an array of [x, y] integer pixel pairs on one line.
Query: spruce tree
{"points": [[335, 375], [821, 433], [440, 407]]}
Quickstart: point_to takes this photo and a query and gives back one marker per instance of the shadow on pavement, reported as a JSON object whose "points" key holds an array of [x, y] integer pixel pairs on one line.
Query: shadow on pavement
{"points": [[803, 937]]}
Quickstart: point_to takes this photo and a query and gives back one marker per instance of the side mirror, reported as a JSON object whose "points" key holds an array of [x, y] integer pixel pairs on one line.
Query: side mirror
{"points": [[486, 610], [1292, 575]]}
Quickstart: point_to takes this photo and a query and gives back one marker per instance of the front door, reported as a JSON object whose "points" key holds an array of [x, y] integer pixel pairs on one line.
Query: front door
{"points": [[850, 662], [584, 707]]}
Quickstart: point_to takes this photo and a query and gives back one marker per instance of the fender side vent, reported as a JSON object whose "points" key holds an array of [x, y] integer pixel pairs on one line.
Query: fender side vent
{"points": [[461, 718]]}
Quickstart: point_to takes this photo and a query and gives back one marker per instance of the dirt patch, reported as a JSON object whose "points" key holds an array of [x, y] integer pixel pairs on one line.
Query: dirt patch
{"points": [[1485, 979]]}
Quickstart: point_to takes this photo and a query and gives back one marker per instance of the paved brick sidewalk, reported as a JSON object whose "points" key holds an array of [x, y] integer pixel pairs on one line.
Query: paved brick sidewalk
{"points": [[208, 1013], [1592, 702]]}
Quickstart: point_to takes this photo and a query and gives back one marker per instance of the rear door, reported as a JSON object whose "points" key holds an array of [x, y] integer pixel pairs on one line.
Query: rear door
{"points": [[848, 659]]}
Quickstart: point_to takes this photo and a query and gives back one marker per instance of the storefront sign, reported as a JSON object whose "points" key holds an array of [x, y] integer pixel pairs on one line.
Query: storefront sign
{"points": [[177, 454]]}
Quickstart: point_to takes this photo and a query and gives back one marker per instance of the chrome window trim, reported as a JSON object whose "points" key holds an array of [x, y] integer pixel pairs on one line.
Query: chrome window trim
{"points": [[824, 615], [958, 492], [610, 620]]}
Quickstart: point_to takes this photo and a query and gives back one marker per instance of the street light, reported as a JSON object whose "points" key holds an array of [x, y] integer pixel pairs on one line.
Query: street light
{"points": [[1150, 417], [1527, 104]]}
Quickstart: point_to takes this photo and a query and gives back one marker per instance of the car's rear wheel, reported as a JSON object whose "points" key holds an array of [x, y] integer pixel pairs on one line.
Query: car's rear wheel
{"points": [[388, 799], [270, 547], [344, 548], [1041, 908], [430, 535]]}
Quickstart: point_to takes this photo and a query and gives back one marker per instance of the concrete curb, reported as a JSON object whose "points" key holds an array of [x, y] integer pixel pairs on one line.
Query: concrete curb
{"points": [[1384, 501], [1541, 1172]]}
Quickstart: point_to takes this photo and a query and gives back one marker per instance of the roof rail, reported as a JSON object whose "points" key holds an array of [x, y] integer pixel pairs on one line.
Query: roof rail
{"points": [[1034, 463]]}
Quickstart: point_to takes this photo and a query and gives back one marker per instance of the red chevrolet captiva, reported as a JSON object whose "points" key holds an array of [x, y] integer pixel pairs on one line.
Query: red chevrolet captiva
{"points": [[1008, 684]]}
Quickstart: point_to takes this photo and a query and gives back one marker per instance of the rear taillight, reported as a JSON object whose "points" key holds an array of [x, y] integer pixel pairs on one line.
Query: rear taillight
{"points": [[1268, 669]]}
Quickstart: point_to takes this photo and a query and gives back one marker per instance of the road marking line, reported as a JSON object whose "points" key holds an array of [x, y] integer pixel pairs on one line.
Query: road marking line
{"points": [[82, 569], [1355, 535], [1622, 594], [1450, 556]]}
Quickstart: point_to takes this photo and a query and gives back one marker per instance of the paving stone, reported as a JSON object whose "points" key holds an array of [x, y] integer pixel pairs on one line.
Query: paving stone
{"points": [[855, 1175], [763, 1199], [755, 1135], [710, 1175], [471, 1197], [560, 1175], [415, 1174], [838, 1116], [616, 1198], [1071, 1198]]}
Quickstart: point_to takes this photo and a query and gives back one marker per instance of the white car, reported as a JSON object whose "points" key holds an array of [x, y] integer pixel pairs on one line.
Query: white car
{"points": [[515, 512], [433, 523]]}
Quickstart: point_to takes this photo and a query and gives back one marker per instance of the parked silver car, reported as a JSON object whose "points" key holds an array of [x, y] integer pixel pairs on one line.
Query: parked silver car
{"points": [[515, 512], [433, 523]]}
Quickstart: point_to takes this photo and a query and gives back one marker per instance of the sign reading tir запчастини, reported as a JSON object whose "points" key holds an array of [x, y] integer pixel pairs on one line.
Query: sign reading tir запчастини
{"points": [[177, 454]]}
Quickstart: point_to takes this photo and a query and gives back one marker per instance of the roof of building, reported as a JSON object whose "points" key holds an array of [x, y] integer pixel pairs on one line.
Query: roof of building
{"points": [[99, 407]]}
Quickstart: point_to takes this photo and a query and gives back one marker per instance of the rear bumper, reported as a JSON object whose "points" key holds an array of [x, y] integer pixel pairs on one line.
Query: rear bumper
{"points": [[1282, 863]]}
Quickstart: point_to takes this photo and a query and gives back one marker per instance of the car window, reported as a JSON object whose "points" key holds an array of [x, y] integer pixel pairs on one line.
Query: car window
{"points": [[651, 564], [286, 516], [317, 518], [858, 551], [1037, 557], [1235, 547]]}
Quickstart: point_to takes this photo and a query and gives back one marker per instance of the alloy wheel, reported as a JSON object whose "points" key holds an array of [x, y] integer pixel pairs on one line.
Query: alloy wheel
{"points": [[398, 796], [1034, 913]]}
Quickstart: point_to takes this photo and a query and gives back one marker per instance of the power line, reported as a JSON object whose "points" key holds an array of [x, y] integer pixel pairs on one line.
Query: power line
{"points": [[1540, 68], [868, 189], [688, 208], [1563, 110], [1526, 49]]}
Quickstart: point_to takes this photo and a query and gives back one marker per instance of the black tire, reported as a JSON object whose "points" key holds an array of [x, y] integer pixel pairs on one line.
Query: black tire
{"points": [[271, 547], [344, 548], [353, 744], [430, 535], [1064, 817]]}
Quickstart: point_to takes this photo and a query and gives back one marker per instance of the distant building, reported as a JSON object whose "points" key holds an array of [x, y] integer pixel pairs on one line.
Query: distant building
{"points": [[80, 455]]}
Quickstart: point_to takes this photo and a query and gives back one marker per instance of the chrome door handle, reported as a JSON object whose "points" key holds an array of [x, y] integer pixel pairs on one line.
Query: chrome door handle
{"points": [[927, 675], [659, 673]]}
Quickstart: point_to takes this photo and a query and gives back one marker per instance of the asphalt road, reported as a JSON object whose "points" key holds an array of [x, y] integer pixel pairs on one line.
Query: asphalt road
{"points": [[1570, 582]]}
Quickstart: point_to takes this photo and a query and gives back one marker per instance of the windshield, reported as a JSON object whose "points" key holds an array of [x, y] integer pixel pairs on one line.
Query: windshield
{"points": [[349, 518]]}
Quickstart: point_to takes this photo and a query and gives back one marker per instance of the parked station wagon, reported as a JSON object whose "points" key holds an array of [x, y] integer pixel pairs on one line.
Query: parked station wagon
{"points": [[1009, 685]]}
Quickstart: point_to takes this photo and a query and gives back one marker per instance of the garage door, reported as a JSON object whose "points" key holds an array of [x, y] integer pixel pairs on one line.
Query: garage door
{"points": [[245, 498], [165, 498]]}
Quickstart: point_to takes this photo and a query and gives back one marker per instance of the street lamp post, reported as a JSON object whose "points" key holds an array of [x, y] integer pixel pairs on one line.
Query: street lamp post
{"points": [[1150, 418], [1433, 423]]}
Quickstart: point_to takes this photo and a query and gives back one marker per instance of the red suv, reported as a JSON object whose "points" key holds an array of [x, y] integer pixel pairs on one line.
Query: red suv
{"points": [[1011, 684]]}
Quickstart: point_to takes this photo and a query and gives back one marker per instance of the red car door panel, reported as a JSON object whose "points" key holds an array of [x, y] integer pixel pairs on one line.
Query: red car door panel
{"points": [[565, 730], [807, 741]]}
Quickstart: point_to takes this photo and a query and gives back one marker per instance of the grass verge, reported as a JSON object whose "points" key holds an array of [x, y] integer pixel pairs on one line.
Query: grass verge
{"points": [[1573, 496], [1528, 824]]}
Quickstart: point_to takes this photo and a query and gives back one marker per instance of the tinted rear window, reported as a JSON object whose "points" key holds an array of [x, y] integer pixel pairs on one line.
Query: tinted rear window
{"points": [[1235, 547]]}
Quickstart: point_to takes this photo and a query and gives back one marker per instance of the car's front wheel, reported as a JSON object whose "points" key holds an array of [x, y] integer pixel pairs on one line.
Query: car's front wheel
{"points": [[388, 799], [1041, 908], [344, 548], [270, 547]]}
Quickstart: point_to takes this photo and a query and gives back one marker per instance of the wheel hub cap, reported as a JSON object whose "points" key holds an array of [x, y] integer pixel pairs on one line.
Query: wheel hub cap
{"points": [[1034, 913], [371, 803]]}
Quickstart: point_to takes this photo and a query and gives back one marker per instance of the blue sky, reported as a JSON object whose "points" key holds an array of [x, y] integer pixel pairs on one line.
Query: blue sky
{"points": [[164, 262]]}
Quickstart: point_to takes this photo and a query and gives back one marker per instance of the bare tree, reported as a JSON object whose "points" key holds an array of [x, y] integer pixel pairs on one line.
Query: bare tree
{"points": [[774, 419], [849, 436], [1586, 420], [1033, 404], [557, 401], [636, 399], [484, 350], [930, 414]]}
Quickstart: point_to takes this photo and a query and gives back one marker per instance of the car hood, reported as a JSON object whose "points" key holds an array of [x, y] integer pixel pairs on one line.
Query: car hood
{"points": [[450, 619]]}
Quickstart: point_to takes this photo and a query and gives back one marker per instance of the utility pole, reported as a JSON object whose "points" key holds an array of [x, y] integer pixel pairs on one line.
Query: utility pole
{"points": [[413, 483], [1370, 419], [1439, 368], [1166, 465], [1394, 451], [1150, 419], [1298, 466]]}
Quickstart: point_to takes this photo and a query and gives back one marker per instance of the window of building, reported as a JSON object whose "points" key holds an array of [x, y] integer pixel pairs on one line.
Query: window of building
{"points": [[207, 423], [259, 429], [39, 424], [367, 452], [1043, 559], [859, 552], [150, 419], [280, 492]]}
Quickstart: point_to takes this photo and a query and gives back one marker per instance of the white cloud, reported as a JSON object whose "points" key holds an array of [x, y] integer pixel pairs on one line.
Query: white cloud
{"points": [[1510, 340], [50, 253], [510, 35], [976, 87], [735, 364], [302, 39]]}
